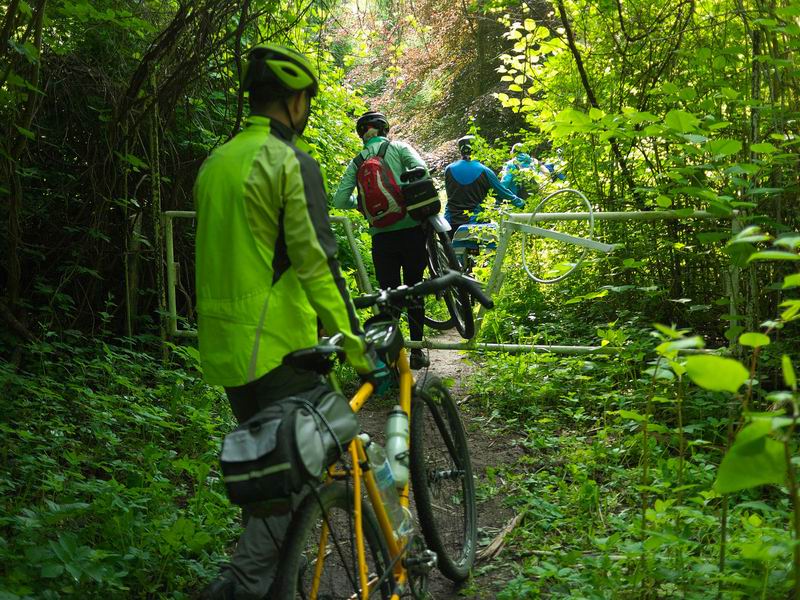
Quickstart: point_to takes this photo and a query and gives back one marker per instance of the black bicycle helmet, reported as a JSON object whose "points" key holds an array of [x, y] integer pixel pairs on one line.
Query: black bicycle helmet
{"points": [[281, 68], [465, 144], [372, 119]]}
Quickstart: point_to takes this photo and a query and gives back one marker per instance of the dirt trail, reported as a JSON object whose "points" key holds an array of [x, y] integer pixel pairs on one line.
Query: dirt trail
{"points": [[488, 448]]}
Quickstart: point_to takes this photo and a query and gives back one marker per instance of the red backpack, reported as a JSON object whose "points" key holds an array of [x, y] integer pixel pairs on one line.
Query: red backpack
{"points": [[380, 198]]}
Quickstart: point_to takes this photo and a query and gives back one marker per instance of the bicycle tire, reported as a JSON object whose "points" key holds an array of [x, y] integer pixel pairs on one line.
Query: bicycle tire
{"points": [[441, 256], [300, 548], [439, 454]]}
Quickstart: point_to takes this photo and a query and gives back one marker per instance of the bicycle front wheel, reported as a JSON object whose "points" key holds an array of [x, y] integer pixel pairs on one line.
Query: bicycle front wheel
{"points": [[332, 505], [459, 307], [441, 476]]}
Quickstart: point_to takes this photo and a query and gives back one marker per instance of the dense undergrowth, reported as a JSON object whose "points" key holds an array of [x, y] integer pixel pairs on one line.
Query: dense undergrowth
{"points": [[108, 482], [579, 487], [623, 483]]}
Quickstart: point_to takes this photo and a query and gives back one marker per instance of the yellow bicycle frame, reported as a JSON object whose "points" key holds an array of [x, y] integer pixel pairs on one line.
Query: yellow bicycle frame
{"points": [[359, 457]]}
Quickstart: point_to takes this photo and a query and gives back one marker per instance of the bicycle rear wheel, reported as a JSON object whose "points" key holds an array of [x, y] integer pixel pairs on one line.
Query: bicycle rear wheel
{"points": [[459, 307], [339, 578], [441, 476]]}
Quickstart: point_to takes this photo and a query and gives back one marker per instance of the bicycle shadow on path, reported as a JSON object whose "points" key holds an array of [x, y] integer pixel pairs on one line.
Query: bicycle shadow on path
{"points": [[491, 449]]}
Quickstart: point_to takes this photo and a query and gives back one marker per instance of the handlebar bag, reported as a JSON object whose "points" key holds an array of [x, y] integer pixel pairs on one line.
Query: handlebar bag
{"points": [[421, 199], [284, 446]]}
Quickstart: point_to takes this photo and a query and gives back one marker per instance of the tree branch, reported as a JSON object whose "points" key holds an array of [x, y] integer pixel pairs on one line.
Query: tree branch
{"points": [[590, 92]]}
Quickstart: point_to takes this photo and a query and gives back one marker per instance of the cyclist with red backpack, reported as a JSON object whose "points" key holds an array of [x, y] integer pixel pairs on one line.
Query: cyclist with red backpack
{"points": [[398, 240]]}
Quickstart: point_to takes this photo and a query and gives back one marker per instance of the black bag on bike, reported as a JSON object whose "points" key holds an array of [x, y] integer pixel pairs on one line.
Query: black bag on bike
{"points": [[284, 446], [421, 199]]}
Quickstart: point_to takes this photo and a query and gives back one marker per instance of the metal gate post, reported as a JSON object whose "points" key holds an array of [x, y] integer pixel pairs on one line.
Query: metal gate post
{"points": [[496, 277], [362, 278], [172, 305], [733, 287]]}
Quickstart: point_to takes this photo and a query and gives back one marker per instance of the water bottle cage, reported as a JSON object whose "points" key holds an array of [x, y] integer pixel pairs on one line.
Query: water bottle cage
{"points": [[402, 456]]}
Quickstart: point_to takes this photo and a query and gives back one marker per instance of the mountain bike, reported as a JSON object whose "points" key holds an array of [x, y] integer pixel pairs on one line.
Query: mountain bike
{"points": [[441, 258], [341, 543]]}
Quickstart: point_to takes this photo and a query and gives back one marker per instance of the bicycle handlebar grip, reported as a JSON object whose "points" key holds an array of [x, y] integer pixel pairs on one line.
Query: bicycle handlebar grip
{"points": [[437, 284], [365, 301], [475, 289]]}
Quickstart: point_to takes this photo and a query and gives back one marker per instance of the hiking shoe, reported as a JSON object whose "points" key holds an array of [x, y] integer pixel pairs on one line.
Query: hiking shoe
{"points": [[418, 360], [219, 589]]}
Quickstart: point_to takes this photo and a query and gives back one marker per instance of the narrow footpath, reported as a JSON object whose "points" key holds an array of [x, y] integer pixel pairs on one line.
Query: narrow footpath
{"points": [[491, 450]]}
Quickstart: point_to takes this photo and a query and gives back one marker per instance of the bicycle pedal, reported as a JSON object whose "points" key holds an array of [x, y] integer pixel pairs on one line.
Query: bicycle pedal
{"points": [[423, 561]]}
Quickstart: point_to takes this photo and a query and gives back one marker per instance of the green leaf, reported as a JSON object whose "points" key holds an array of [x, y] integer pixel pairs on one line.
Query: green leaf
{"points": [[773, 255], [754, 459], [763, 148], [52, 570], [749, 234], [754, 339], [681, 120], [573, 117], [133, 160], [631, 415], [791, 281], [671, 348], [664, 201], [789, 241], [26, 132], [792, 309], [670, 332], [723, 147], [716, 373], [788, 372], [595, 114]]}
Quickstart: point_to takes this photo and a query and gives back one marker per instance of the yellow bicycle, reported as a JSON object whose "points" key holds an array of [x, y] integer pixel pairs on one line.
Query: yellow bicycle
{"points": [[342, 543]]}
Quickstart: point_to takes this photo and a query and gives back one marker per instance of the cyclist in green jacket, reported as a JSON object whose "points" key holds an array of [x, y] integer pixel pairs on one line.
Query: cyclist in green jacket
{"points": [[401, 245], [266, 268]]}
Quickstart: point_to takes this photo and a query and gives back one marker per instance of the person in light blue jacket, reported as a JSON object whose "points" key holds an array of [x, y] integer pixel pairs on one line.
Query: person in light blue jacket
{"points": [[467, 183], [522, 161]]}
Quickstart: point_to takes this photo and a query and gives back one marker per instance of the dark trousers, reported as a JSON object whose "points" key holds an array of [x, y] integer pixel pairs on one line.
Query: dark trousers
{"points": [[404, 249], [255, 560]]}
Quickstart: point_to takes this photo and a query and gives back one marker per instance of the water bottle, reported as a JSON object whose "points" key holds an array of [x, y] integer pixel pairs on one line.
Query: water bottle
{"points": [[399, 516], [397, 445]]}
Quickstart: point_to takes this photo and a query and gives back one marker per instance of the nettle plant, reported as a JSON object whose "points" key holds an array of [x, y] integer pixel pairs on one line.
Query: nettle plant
{"points": [[761, 448]]}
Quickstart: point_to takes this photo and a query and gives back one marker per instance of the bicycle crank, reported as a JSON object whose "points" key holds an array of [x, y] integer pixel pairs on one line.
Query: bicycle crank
{"points": [[435, 476], [419, 562]]}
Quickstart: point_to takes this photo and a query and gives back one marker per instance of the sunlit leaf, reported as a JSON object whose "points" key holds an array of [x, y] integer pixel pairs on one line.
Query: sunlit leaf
{"points": [[791, 281], [790, 241], [716, 373], [788, 372], [754, 339], [773, 255], [763, 148]]}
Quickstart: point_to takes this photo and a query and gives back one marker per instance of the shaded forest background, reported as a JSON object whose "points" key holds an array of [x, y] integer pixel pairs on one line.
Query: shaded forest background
{"points": [[110, 106]]}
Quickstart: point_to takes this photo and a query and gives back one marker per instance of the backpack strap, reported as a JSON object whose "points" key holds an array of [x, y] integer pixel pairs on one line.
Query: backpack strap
{"points": [[383, 148], [359, 159]]}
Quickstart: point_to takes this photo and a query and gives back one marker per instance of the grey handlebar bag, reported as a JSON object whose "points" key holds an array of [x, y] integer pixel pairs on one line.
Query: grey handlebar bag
{"points": [[283, 447]]}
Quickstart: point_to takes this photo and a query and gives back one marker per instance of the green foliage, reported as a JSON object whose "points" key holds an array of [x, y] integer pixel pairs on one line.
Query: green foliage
{"points": [[754, 459], [716, 373], [109, 479]]}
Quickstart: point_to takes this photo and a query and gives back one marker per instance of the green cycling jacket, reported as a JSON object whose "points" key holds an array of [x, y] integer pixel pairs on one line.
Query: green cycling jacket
{"points": [[400, 157], [266, 258]]}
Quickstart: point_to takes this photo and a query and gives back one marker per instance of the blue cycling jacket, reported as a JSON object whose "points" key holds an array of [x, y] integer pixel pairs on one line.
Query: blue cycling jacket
{"points": [[467, 183]]}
